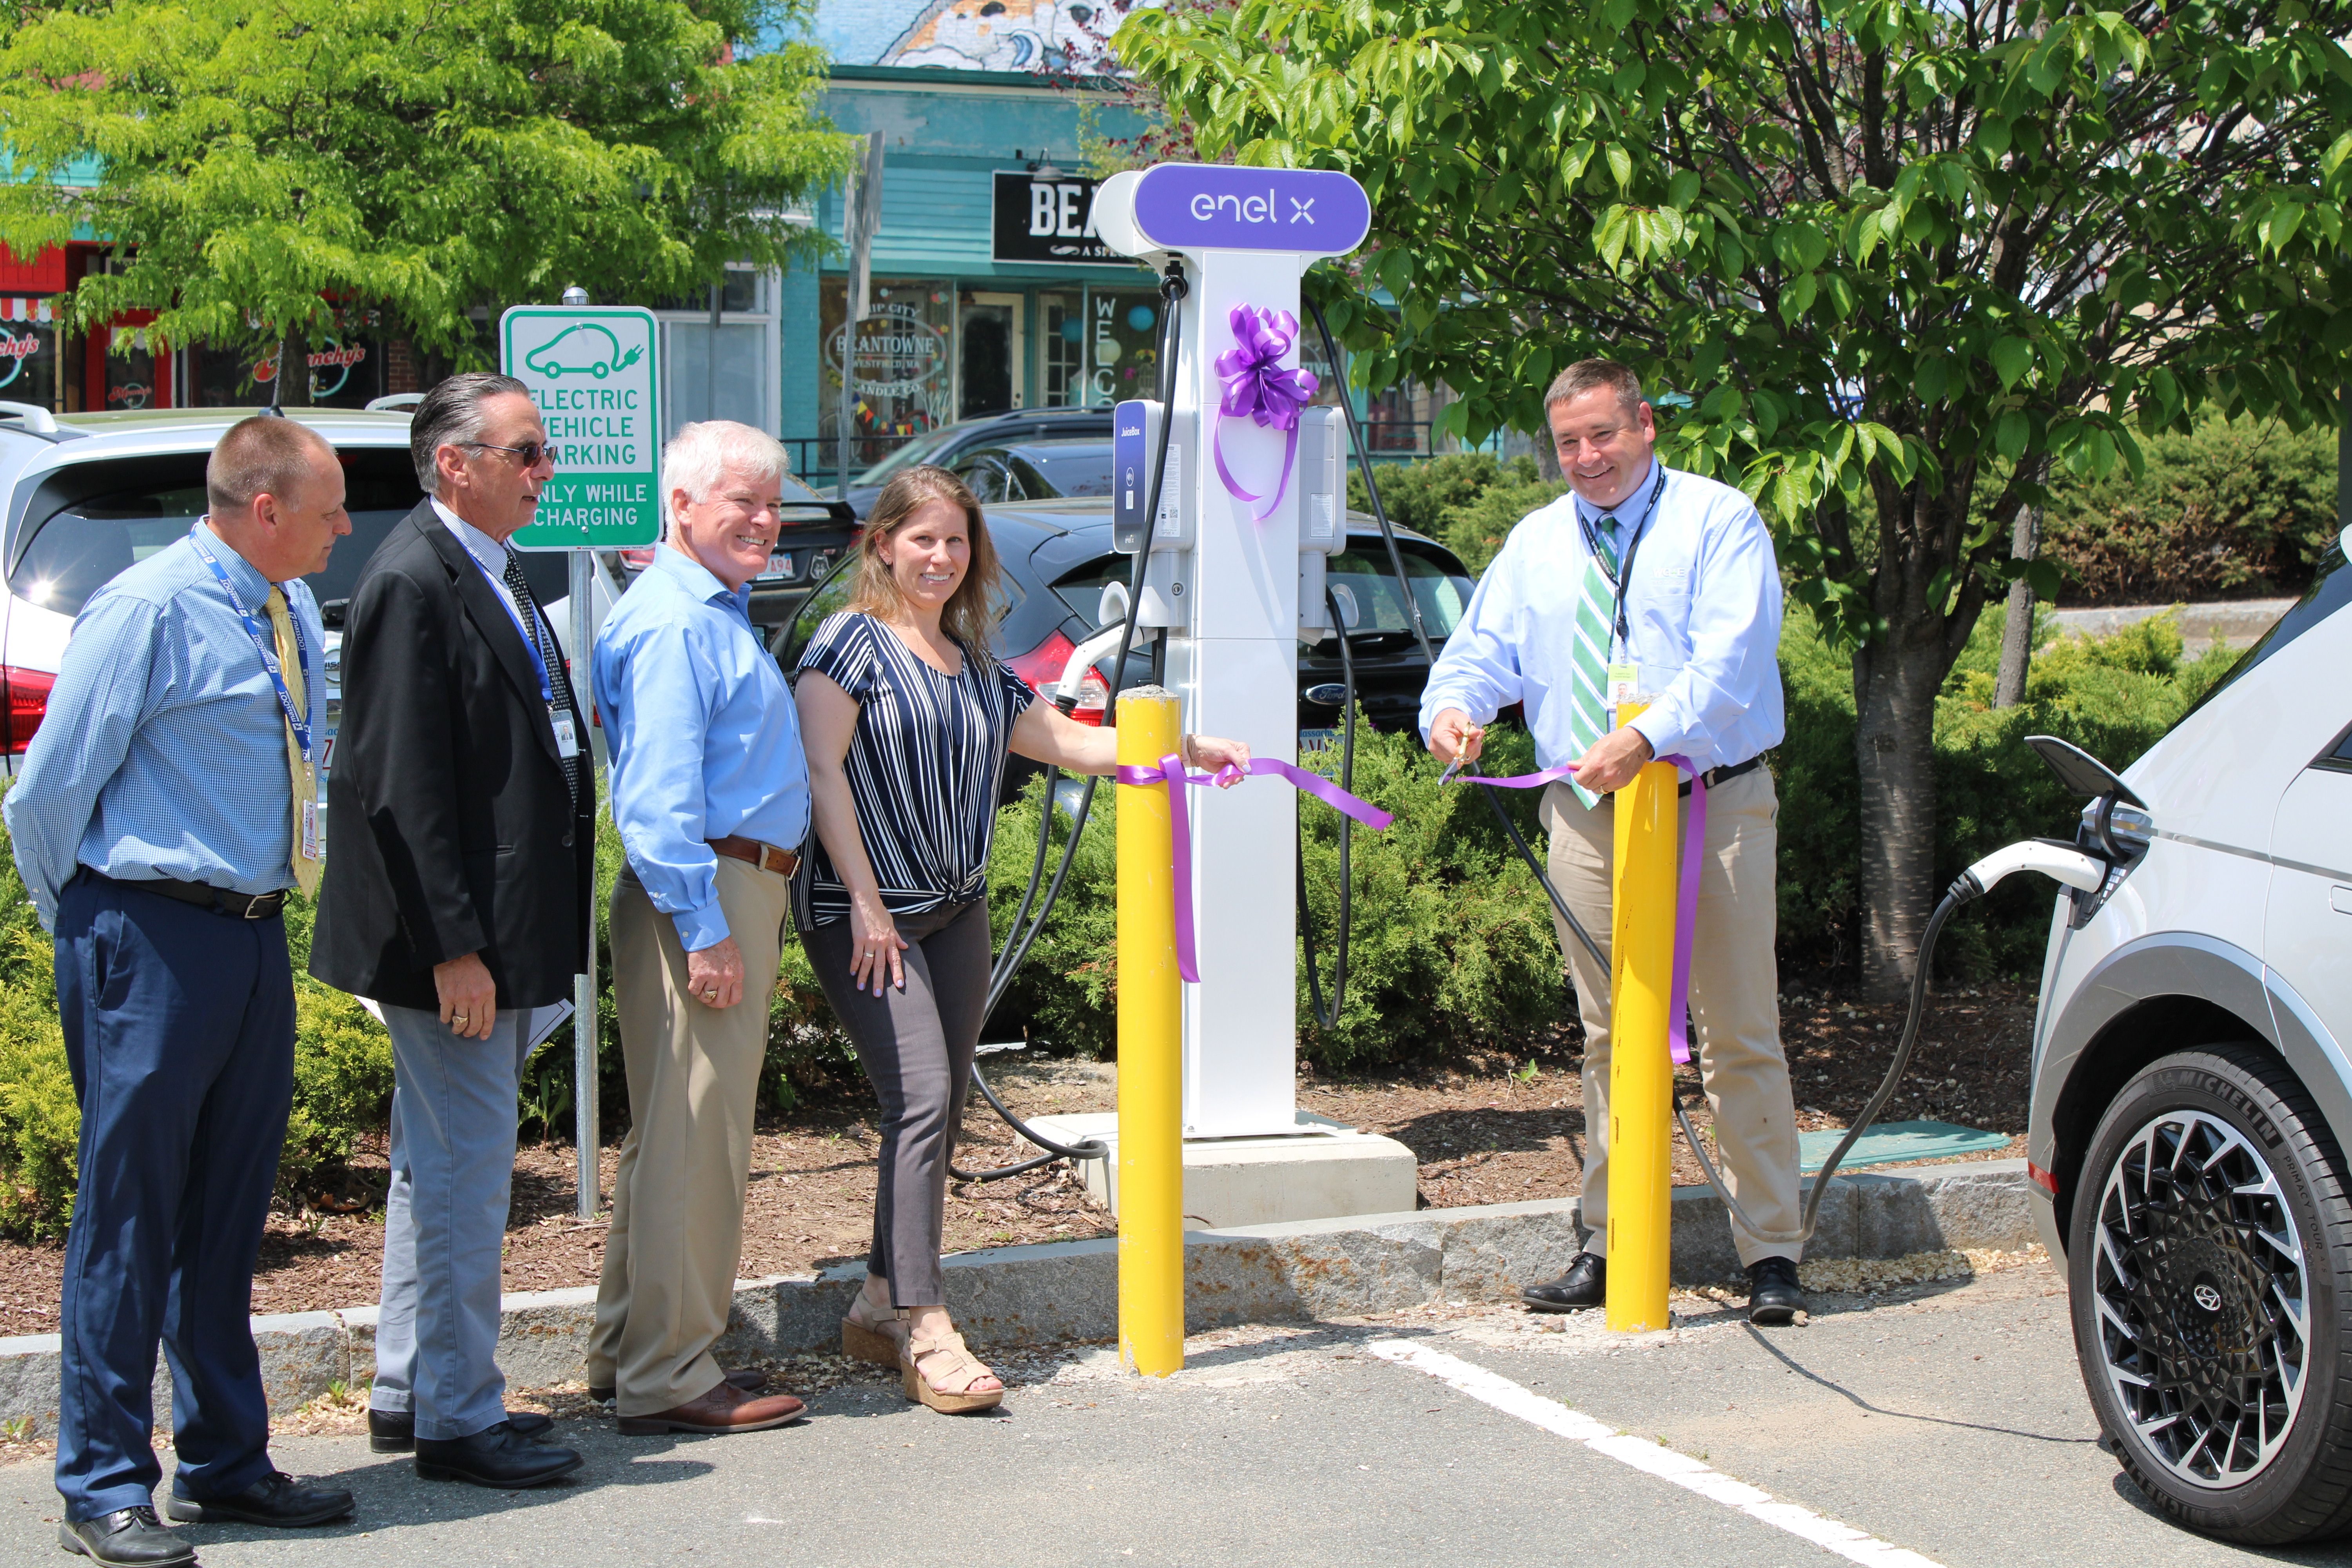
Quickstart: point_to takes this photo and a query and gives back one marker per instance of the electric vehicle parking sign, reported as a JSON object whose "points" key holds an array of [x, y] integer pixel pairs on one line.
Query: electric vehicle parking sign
{"points": [[595, 375]]}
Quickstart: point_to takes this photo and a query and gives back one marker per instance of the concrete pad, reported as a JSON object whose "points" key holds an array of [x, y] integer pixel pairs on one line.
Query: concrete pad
{"points": [[1330, 1172]]}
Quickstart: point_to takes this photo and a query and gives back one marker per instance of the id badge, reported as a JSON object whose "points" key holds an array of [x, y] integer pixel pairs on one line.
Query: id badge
{"points": [[567, 743], [1624, 681], [310, 830]]}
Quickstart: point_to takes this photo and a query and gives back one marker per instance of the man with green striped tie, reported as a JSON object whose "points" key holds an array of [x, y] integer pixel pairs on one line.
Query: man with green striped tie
{"points": [[1652, 579]]}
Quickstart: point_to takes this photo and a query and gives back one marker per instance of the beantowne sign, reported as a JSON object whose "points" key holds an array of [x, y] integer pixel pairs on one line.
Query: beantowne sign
{"points": [[1050, 221]]}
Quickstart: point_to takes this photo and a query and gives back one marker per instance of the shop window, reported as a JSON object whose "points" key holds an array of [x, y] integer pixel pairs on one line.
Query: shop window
{"points": [[1122, 344], [735, 387], [902, 367], [28, 355], [126, 373]]}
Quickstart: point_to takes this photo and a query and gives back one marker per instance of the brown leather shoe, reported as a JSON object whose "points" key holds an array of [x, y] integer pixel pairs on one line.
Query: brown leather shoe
{"points": [[749, 1379], [725, 1408]]}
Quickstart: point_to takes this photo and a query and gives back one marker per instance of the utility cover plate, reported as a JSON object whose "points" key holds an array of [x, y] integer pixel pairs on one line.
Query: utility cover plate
{"points": [[1894, 1143]]}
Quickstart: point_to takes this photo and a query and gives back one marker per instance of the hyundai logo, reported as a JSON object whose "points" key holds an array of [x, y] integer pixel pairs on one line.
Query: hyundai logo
{"points": [[2207, 1297]]}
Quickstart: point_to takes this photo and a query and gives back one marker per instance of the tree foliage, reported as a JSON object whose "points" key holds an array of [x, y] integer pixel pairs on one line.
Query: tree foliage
{"points": [[268, 170], [1894, 249]]}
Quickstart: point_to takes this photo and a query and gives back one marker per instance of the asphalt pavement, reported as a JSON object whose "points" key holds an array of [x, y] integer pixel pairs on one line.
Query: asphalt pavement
{"points": [[1946, 1428]]}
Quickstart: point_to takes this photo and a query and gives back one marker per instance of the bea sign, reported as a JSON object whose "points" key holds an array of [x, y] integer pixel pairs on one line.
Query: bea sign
{"points": [[593, 373]]}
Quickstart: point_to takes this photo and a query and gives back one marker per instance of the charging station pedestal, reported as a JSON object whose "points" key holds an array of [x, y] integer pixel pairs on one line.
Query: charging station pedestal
{"points": [[1234, 582]]}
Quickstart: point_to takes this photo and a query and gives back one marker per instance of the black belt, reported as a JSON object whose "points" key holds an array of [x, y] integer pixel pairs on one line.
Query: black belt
{"points": [[219, 900], [1715, 776]]}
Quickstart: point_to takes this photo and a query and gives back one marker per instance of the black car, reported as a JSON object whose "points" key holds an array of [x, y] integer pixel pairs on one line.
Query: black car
{"points": [[816, 536], [1036, 470], [948, 442], [1056, 557]]}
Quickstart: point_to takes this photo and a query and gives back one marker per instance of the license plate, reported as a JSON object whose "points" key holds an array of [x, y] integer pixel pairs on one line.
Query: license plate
{"points": [[780, 564], [1317, 740]]}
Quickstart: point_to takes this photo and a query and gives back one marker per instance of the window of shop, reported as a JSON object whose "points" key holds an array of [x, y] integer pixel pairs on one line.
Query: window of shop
{"points": [[902, 368], [28, 353]]}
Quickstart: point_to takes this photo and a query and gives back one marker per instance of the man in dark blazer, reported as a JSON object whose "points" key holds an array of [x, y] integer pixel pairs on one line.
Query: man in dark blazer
{"points": [[457, 897]]}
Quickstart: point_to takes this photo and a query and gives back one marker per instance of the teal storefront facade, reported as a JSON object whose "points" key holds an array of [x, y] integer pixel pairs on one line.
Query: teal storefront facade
{"points": [[989, 292]]}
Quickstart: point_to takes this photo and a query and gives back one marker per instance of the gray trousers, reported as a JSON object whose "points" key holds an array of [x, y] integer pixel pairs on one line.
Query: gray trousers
{"points": [[917, 1046], [444, 1221]]}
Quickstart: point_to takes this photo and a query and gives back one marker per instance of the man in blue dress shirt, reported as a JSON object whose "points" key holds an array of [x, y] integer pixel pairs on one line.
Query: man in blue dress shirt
{"points": [[166, 806], [710, 793], [1662, 581]]}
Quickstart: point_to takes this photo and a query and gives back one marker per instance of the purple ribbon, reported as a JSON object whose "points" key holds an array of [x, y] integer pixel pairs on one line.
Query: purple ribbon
{"points": [[1686, 898], [1170, 770], [1258, 388]]}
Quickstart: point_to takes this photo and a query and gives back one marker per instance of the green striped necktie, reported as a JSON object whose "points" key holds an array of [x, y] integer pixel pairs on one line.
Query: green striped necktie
{"points": [[1595, 606]]}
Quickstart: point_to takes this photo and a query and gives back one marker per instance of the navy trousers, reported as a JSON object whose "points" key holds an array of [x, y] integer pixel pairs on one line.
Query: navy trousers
{"points": [[179, 1026]]}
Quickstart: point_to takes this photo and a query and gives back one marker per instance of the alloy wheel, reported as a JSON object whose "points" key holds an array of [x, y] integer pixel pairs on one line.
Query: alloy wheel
{"points": [[2202, 1298]]}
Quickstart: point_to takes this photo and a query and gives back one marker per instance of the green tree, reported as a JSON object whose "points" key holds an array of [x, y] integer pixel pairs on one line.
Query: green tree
{"points": [[1895, 249], [271, 171]]}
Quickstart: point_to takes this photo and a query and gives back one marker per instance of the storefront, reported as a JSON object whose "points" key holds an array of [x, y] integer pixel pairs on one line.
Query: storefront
{"points": [[990, 289]]}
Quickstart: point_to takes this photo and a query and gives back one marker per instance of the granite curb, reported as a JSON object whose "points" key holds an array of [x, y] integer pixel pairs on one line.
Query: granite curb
{"points": [[1016, 1296]]}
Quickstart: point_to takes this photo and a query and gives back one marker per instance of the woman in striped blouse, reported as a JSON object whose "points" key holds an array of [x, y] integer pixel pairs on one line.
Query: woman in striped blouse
{"points": [[907, 716]]}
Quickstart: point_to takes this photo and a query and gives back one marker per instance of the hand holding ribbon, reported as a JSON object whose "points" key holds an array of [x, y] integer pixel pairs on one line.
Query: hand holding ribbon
{"points": [[1171, 771], [1258, 388]]}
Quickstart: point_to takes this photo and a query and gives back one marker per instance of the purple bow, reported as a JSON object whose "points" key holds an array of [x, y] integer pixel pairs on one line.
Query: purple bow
{"points": [[1259, 389]]}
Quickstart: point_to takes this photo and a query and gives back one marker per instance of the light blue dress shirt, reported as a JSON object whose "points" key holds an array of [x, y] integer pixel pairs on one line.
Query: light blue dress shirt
{"points": [[1704, 600], [704, 740], [163, 750]]}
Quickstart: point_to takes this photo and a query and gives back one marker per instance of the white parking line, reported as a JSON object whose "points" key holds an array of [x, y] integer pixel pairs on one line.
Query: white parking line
{"points": [[1503, 1395]]}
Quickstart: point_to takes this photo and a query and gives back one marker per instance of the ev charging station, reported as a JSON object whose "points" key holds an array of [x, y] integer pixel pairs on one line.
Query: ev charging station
{"points": [[1250, 511]]}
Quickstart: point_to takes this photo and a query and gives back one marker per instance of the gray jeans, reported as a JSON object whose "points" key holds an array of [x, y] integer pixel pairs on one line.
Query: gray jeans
{"points": [[444, 1221], [917, 1046]]}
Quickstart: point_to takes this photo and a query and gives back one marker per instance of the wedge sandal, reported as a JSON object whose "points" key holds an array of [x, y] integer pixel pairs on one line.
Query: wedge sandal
{"points": [[951, 1362], [875, 1343]]}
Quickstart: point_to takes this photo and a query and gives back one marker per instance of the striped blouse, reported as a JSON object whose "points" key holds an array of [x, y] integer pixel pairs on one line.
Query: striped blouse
{"points": [[924, 765]]}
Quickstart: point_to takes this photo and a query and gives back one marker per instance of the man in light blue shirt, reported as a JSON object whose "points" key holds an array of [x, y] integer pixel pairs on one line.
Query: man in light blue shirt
{"points": [[159, 820], [1648, 581], [710, 793]]}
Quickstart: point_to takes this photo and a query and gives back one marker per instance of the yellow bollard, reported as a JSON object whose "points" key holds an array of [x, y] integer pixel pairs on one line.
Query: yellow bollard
{"points": [[1640, 1070], [1150, 1050]]}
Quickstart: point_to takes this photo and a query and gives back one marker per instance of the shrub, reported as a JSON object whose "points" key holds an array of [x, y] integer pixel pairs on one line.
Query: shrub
{"points": [[2235, 507], [1469, 501]]}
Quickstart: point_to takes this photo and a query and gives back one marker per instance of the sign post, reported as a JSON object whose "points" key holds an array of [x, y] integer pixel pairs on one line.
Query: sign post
{"points": [[594, 374]]}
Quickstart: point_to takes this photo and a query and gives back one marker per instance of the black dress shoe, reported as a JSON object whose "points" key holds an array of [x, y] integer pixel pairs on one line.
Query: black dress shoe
{"points": [[1774, 1297], [126, 1538], [276, 1499], [394, 1431], [501, 1457], [1586, 1284]]}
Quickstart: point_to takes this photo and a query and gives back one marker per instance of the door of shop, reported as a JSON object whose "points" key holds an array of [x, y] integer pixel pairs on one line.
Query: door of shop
{"points": [[124, 369], [989, 366]]}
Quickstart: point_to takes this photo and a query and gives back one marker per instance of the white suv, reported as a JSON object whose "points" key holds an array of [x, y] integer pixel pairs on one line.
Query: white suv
{"points": [[2192, 1092], [83, 496]]}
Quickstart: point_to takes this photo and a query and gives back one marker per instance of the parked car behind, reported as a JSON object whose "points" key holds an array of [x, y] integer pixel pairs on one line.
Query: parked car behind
{"points": [[1036, 470], [1057, 558], [83, 496], [2192, 1095], [948, 442]]}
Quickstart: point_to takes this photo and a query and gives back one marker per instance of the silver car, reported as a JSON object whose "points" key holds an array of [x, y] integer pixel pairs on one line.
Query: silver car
{"points": [[2192, 1093], [83, 496]]}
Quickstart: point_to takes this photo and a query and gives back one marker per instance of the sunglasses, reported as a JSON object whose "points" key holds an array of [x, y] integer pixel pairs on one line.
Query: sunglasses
{"points": [[529, 451]]}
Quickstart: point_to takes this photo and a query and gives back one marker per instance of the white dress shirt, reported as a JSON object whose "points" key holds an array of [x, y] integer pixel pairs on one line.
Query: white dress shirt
{"points": [[1704, 599], [487, 553]]}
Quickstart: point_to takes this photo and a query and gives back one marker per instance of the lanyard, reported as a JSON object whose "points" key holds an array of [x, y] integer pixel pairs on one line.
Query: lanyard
{"points": [[299, 723], [514, 614], [1625, 563]]}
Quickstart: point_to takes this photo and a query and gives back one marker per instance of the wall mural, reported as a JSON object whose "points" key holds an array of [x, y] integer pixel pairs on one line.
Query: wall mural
{"points": [[1042, 36]]}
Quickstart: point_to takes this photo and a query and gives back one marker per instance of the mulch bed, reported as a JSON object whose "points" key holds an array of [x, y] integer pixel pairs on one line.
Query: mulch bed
{"points": [[1495, 1128]]}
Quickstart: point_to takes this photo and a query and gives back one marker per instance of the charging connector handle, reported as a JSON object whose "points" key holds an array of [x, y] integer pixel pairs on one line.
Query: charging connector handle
{"points": [[2072, 867]]}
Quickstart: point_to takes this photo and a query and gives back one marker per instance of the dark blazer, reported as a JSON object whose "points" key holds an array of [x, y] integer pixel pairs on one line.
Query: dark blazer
{"points": [[450, 827]]}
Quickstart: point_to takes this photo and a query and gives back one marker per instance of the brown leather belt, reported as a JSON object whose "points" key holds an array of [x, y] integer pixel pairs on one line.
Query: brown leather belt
{"points": [[766, 857], [219, 900]]}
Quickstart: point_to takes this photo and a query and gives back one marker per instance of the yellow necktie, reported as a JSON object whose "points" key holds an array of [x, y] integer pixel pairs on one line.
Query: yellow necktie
{"points": [[306, 778]]}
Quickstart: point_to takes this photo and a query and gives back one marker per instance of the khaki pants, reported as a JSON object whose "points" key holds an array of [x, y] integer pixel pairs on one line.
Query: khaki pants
{"points": [[1734, 996], [677, 1202]]}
